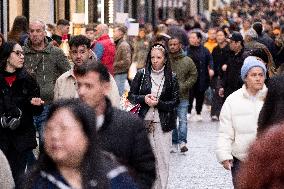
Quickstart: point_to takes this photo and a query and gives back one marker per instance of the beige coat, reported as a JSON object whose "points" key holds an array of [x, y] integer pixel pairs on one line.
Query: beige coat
{"points": [[65, 87]]}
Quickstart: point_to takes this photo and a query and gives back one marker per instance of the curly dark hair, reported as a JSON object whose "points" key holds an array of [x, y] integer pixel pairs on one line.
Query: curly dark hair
{"points": [[92, 164], [273, 108], [79, 40]]}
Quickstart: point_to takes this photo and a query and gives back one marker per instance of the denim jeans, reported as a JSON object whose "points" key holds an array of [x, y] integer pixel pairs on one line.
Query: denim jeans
{"points": [[120, 82], [39, 121], [180, 134]]}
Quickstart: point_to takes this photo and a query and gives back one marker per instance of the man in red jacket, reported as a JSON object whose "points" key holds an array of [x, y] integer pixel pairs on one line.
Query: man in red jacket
{"points": [[103, 47]]}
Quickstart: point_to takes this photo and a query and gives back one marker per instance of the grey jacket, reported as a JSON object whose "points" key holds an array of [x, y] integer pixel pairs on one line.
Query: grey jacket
{"points": [[45, 66]]}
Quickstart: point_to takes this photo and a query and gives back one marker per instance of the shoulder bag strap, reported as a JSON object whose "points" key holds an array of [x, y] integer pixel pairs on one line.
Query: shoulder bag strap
{"points": [[141, 82]]}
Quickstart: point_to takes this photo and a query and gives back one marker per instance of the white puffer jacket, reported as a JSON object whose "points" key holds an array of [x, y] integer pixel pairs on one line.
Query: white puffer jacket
{"points": [[238, 124]]}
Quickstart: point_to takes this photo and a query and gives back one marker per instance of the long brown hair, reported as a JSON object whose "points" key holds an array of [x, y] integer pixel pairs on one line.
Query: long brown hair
{"points": [[20, 27]]}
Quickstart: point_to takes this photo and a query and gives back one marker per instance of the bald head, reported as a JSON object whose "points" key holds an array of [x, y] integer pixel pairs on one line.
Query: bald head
{"points": [[102, 29], [38, 23], [37, 34]]}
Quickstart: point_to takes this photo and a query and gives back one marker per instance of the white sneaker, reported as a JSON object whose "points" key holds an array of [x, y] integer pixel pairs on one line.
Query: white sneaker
{"points": [[198, 117], [174, 148]]}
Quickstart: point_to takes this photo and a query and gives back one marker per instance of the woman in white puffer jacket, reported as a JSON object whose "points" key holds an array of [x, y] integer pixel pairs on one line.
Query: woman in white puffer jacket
{"points": [[239, 115]]}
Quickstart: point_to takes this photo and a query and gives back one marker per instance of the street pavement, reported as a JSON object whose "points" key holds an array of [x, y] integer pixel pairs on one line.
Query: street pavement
{"points": [[198, 168]]}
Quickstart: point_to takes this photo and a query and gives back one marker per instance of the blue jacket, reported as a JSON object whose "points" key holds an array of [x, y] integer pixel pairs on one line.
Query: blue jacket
{"points": [[118, 179]]}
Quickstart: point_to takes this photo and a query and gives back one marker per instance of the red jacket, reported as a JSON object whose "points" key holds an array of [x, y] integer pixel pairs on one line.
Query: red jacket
{"points": [[108, 53]]}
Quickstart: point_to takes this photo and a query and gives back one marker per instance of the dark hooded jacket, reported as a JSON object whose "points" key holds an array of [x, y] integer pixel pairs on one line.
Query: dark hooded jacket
{"points": [[124, 135]]}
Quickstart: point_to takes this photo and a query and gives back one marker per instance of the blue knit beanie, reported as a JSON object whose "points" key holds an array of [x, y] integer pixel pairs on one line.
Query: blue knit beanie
{"points": [[249, 63]]}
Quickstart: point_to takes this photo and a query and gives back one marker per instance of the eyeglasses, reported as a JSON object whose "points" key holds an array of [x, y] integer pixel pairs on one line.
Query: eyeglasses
{"points": [[19, 53]]}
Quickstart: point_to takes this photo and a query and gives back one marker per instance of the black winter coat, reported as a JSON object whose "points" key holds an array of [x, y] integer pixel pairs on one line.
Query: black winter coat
{"points": [[232, 80], [19, 96], [220, 57], [124, 135], [168, 101], [202, 60]]}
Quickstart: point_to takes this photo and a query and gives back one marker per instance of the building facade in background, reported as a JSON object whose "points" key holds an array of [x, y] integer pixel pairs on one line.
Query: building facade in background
{"points": [[98, 11]]}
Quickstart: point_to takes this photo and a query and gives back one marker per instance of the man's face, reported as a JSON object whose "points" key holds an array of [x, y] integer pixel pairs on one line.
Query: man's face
{"points": [[98, 31], [90, 35], [193, 39], [212, 34], [65, 29], [91, 90], [36, 33], [246, 25], [255, 79], [174, 45], [79, 55], [220, 37], [235, 45], [117, 34]]}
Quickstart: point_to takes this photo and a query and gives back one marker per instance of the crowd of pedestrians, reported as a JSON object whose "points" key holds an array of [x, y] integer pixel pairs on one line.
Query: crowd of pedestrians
{"points": [[67, 90]]}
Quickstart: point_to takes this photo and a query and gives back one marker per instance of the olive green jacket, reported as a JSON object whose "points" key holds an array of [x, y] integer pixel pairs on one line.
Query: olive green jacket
{"points": [[186, 72]]}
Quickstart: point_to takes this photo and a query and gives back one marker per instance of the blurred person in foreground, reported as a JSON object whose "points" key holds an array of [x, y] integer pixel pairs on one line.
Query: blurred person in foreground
{"points": [[263, 168], [68, 163], [156, 89], [239, 115], [273, 108], [119, 132]]}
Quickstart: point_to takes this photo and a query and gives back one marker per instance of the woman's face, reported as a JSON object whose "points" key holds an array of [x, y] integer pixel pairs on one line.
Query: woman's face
{"points": [[64, 139], [220, 37], [157, 58], [16, 58], [193, 39]]}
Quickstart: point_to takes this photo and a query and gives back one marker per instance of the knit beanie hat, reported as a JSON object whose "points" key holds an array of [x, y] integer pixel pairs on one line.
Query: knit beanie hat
{"points": [[249, 63]]}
